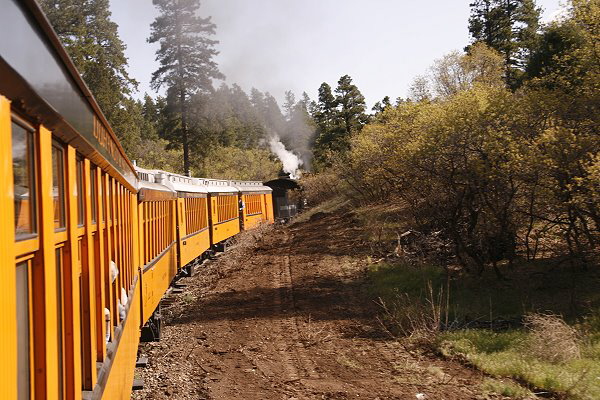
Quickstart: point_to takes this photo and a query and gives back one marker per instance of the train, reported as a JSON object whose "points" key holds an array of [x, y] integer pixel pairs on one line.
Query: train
{"points": [[89, 242]]}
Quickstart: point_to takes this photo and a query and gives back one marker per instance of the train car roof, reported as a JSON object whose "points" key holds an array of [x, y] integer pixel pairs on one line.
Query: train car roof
{"points": [[187, 184], [153, 180], [251, 186], [220, 186], [42, 83]]}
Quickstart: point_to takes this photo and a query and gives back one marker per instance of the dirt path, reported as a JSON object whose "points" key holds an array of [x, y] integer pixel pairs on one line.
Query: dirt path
{"points": [[287, 317]]}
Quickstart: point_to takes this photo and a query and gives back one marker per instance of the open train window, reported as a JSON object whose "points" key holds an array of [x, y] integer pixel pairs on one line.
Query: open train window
{"points": [[58, 185], [24, 180], [80, 193], [104, 194], [59, 315], [23, 331], [94, 190]]}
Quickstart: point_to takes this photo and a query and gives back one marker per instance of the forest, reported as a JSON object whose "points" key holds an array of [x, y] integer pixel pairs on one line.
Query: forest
{"points": [[495, 151], [490, 164]]}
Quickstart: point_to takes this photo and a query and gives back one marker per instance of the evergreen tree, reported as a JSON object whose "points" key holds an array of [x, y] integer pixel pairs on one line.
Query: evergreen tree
{"points": [[382, 105], [253, 129], [301, 130], [305, 102], [552, 56], [508, 26], [289, 104], [93, 43], [151, 113], [186, 62], [352, 112], [257, 98], [337, 118], [275, 120], [325, 112]]}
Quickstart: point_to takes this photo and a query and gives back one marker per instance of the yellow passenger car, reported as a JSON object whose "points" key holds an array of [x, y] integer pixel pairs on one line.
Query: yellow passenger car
{"points": [[88, 246], [158, 250], [254, 199], [69, 286], [224, 210], [193, 235]]}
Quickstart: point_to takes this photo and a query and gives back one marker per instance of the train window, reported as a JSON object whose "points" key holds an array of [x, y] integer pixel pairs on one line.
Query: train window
{"points": [[80, 193], [23, 177], [58, 185], [23, 363], [59, 314], [102, 202], [94, 190]]}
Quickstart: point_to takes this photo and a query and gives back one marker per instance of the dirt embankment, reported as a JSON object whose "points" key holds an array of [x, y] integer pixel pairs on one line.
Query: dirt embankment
{"points": [[288, 317]]}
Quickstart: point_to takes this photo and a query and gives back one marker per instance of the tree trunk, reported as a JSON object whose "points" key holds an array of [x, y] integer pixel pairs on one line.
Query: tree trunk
{"points": [[184, 134]]}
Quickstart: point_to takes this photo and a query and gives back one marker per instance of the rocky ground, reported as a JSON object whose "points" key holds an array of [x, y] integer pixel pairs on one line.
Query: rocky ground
{"points": [[286, 315]]}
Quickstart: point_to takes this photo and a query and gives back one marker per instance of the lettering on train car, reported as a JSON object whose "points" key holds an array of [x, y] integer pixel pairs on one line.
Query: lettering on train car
{"points": [[107, 142]]}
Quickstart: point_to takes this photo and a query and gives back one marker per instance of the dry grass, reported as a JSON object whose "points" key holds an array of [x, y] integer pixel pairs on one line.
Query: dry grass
{"points": [[321, 187], [418, 320], [311, 335], [250, 238], [551, 339]]}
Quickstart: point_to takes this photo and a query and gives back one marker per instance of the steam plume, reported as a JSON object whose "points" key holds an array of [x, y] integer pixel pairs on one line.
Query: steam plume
{"points": [[290, 161]]}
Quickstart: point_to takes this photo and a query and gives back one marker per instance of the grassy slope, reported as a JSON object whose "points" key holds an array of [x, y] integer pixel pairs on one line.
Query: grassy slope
{"points": [[544, 286], [540, 286]]}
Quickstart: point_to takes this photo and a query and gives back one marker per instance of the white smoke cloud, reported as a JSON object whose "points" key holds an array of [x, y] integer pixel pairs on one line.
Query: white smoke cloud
{"points": [[290, 161]]}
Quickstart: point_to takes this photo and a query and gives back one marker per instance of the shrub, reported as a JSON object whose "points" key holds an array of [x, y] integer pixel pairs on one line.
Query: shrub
{"points": [[551, 339]]}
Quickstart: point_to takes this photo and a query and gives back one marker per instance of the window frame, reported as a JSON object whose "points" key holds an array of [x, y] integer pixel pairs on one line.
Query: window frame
{"points": [[29, 243], [80, 186], [61, 147], [28, 260], [33, 178]]}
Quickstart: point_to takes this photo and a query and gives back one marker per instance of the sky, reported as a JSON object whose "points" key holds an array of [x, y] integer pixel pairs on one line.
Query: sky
{"points": [[280, 45]]}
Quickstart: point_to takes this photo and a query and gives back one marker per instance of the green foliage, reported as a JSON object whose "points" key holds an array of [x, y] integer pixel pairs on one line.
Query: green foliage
{"points": [[236, 163], [186, 52], [337, 118], [506, 388], [454, 153], [93, 43], [494, 173], [551, 55], [352, 106], [506, 355], [508, 26], [186, 66], [382, 105], [456, 72]]}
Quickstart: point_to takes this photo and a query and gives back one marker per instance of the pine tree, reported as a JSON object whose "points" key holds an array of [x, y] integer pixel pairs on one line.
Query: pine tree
{"points": [[289, 104], [301, 128], [253, 129], [274, 119], [305, 102], [325, 112], [257, 98], [382, 105], [508, 26], [93, 43], [337, 118], [352, 112], [186, 62]]}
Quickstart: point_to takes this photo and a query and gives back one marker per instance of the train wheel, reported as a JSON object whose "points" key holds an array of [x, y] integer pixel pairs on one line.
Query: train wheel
{"points": [[151, 331]]}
